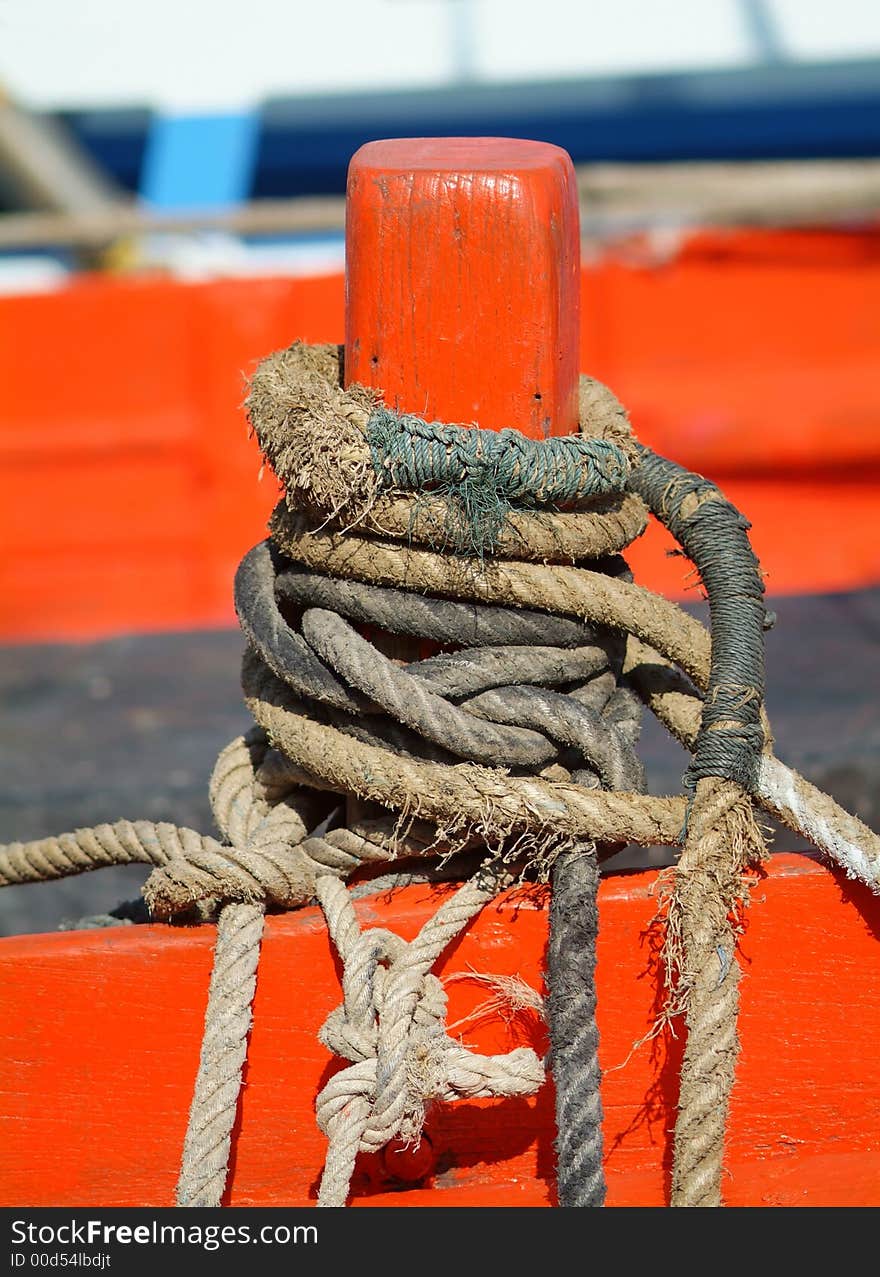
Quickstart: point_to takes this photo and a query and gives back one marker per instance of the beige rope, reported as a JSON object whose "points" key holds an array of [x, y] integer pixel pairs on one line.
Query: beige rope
{"points": [[205, 1161], [480, 801], [313, 432], [567, 591], [723, 841], [547, 536], [271, 787], [391, 1026]]}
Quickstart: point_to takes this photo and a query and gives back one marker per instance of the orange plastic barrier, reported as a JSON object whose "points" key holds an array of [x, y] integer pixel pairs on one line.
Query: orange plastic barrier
{"points": [[129, 488]]}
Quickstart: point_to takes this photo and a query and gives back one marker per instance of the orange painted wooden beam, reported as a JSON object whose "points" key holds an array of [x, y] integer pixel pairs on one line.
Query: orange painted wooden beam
{"points": [[100, 1033], [463, 280]]}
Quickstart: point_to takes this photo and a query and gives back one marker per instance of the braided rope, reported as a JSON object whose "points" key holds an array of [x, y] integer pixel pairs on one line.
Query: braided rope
{"points": [[410, 455], [206, 1147], [391, 1026], [537, 688], [574, 1034]]}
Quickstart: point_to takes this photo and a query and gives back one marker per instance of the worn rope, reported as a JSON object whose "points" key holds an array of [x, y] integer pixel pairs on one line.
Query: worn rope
{"points": [[709, 878], [391, 1027], [574, 1033], [201, 863], [520, 739], [341, 454], [208, 1138], [723, 840]]}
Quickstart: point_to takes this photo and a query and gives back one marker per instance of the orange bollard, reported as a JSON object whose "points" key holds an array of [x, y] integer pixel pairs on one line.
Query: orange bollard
{"points": [[462, 286], [463, 280]]}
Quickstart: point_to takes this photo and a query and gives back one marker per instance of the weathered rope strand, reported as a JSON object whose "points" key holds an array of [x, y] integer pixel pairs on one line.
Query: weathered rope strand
{"points": [[709, 885], [574, 1033], [723, 840], [206, 1147], [384, 759]]}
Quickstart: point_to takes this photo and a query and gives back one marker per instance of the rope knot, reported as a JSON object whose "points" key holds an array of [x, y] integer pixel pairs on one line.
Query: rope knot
{"points": [[267, 858], [391, 1026], [358, 1029], [280, 876]]}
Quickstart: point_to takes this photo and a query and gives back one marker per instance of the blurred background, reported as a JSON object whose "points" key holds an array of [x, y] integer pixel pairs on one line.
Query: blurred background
{"points": [[172, 183], [117, 112]]}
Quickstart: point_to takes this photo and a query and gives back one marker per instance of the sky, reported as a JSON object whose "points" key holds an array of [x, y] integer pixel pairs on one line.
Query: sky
{"points": [[191, 56]]}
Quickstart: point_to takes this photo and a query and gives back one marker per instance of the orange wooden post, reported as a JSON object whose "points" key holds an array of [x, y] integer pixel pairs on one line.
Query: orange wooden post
{"points": [[463, 280], [462, 303]]}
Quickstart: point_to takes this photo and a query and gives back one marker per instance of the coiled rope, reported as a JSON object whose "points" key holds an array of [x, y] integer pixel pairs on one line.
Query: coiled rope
{"points": [[520, 741]]}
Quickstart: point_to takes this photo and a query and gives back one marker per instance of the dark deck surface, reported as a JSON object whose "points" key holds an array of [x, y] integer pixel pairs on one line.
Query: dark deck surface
{"points": [[131, 727]]}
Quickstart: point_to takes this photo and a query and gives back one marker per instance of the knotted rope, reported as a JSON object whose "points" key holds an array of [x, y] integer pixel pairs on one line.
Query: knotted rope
{"points": [[520, 740], [391, 1027]]}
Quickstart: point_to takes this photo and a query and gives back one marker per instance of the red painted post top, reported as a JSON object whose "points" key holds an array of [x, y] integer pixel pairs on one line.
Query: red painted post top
{"points": [[463, 280]]}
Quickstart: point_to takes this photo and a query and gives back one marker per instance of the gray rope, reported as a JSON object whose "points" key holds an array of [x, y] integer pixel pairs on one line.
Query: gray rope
{"points": [[470, 672], [571, 972], [405, 612], [498, 721], [714, 535], [285, 651], [408, 700], [570, 723], [385, 732], [574, 1035]]}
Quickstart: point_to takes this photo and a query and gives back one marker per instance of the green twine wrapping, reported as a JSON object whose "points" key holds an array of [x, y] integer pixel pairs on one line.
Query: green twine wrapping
{"points": [[483, 474]]}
